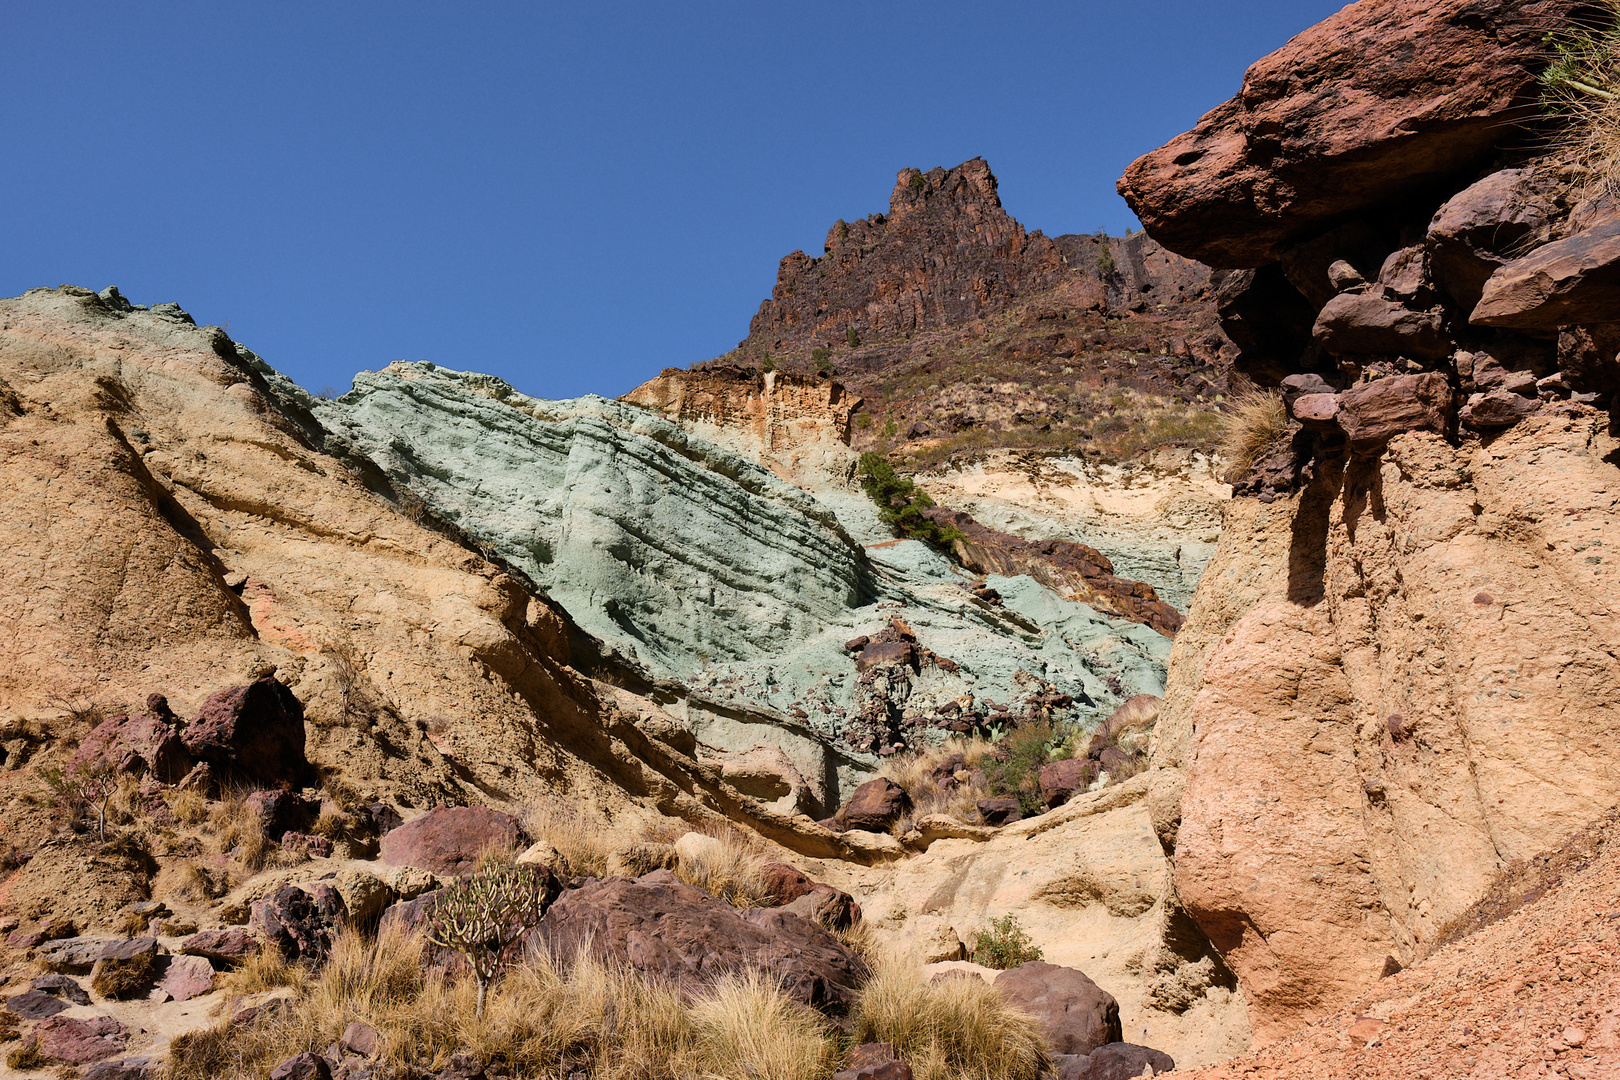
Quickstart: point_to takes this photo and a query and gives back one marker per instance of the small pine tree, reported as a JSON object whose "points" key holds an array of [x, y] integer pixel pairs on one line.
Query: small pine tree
{"points": [[853, 338]]}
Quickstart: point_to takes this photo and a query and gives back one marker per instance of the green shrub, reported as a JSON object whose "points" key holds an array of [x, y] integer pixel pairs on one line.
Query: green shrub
{"points": [[822, 358], [852, 337], [1004, 944], [1015, 768], [901, 503], [1106, 266]]}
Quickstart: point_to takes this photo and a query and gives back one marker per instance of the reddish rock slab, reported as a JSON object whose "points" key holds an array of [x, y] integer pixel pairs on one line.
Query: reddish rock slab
{"points": [[1000, 811], [230, 946], [784, 883], [280, 812], [305, 1066], [1375, 412], [34, 1005], [73, 1041], [254, 731], [1318, 411], [1497, 409], [186, 977], [827, 907], [660, 925], [874, 806], [1570, 281], [1477, 229], [1383, 98], [447, 840], [888, 1070], [135, 1068], [1060, 780], [879, 653], [1076, 1015], [1361, 323], [138, 745]]}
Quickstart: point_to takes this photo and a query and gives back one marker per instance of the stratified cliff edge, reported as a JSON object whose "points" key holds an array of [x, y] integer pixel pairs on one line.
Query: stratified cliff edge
{"points": [[1399, 674]]}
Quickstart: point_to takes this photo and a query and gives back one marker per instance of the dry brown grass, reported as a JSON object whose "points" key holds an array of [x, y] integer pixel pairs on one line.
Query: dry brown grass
{"points": [[189, 807], [197, 883], [732, 868], [238, 831], [541, 1020], [1582, 84], [583, 842], [928, 796], [953, 1029], [129, 923], [265, 970], [1254, 425]]}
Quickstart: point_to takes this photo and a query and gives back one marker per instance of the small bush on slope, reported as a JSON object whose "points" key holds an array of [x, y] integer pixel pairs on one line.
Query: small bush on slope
{"points": [[1004, 944], [901, 503]]}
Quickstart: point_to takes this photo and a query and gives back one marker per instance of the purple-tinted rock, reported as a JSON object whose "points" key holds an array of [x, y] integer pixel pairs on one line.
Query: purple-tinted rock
{"points": [[138, 745], [134, 1068], [1359, 323], [254, 731], [1476, 230], [1375, 412], [230, 946], [1497, 409], [448, 840], [34, 1005], [186, 977], [316, 847], [305, 1066], [79, 1042], [300, 920], [360, 1038], [1001, 810], [280, 812], [384, 817], [62, 986], [1114, 1061], [1062, 779], [827, 907]]}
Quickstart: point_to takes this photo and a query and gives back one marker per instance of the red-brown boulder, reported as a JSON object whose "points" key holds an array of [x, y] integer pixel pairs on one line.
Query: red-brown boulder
{"points": [[1570, 281], [72, 1041], [255, 732], [1497, 409], [1360, 323], [1076, 1015], [662, 926], [447, 840], [1477, 229], [1384, 98], [784, 883], [138, 745], [874, 806], [1060, 780], [1375, 412]]}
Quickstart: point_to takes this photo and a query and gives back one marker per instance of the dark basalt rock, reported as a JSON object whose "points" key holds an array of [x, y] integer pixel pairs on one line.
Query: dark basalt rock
{"points": [[254, 731], [1076, 1015]]}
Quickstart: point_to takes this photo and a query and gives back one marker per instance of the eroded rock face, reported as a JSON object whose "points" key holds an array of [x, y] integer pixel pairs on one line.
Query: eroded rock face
{"points": [[1400, 682], [139, 745], [1575, 280], [1380, 99], [945, 253]]}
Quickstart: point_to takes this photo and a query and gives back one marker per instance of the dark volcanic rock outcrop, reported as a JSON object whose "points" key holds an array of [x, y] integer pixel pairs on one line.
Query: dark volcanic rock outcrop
{"points": [[1383, 98]]}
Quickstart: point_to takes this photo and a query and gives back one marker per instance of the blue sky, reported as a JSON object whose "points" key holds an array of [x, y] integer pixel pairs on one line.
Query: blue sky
{"points": [[569, 196]]}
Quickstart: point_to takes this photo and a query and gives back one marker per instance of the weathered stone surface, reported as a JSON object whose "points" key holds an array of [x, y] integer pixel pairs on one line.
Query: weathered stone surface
{"points": [[78, 1042], [827, 907], [894, 1069], [447, 840], [1076, 1015], [1061, 779], [659, 925], [139, 745], [1073, 570], [1363, 323], [229, 946], [1318, 411], [300, 920], [34, 1005], [878, 653], [999, 811], [1114, 1061], [254, 731], [1497, 409], [74, 955], [1383, 98], [784, 883], [1575, 280], [1504, 683], [1374, 412], [131, 1068], [875, 805], [62, 986], [361, 1038], [1480, 227], [186, 977]]}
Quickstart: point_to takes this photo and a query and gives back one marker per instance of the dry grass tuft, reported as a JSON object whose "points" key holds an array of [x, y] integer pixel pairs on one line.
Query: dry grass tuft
{"points": [[189, 807], [265, 970], [1252, 427], [914, 772], [238, 832], [196, 883], [583, 842], [732, 868], [749, 1028], [1582, 85], [26, 1058], [129, 923], [952, 1029], [124, 979]]}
